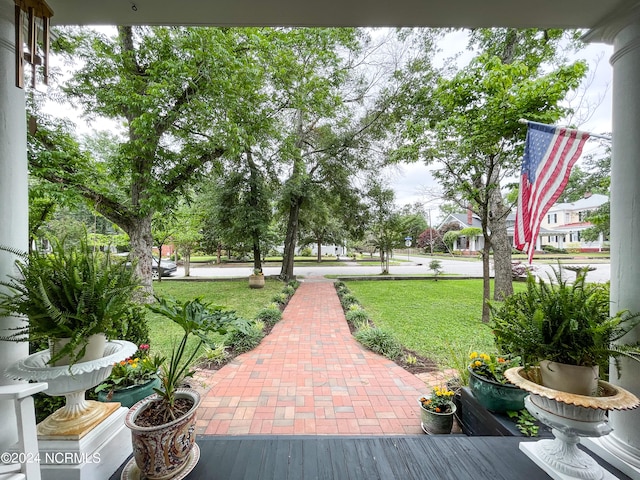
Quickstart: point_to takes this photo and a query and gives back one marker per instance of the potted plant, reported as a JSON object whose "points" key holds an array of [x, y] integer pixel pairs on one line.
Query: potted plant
{"points": [[256, 279], [163, 425], [489, 385], [72, 297], [436, 411], [132, 379], [560, 324]]}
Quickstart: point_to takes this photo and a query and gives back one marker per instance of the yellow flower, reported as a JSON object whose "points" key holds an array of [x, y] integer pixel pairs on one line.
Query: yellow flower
{"points": [[477, 363], [485, 357], [473, 355]]}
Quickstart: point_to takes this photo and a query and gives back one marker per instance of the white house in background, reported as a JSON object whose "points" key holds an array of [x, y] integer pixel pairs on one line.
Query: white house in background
{"points": [[465, 220], [566, 222], [561, 227]]}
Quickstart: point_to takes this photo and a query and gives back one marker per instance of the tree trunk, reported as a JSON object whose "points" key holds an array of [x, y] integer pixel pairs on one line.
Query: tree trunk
{"points": [[257, 256], [139, 231], [503, 286], [319, 250], [486, 278], [286, 273], [187, 261]]}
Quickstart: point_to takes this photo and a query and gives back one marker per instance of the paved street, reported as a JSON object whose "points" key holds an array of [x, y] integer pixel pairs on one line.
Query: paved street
{"points": [[407, 266]]}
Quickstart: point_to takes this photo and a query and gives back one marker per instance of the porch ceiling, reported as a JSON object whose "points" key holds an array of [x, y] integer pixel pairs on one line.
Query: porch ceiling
{"points": [[432, 13]]}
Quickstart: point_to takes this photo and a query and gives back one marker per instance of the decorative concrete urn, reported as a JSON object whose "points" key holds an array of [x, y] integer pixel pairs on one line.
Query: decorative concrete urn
{"points": [[256, 281]]}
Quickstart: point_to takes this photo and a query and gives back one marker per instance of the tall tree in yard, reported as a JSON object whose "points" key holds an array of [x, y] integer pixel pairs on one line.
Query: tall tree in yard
{"points": [[326, 137], [169, 88], [470, 131]]}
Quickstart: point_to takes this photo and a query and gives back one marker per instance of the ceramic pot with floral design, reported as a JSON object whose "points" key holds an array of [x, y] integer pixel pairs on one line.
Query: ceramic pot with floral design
{"points": [[164, 451]]}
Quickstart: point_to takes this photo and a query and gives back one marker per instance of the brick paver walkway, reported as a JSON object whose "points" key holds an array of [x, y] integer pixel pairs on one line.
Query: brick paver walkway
{"points": [[309, 376]]}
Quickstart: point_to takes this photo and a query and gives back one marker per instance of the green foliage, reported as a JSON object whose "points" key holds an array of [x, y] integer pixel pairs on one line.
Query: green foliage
{"points": [[241, 341], [436, 267], [45, 405], [525, 422], [459, 361], [379, 341], [562, 322], [216, 355], [280, 298], [270, 315], [74, 292], [135, 327], [289, 290], [194, 318], [470, 232], [450, 237], [600, 218], [348, 299], [430, 318], [552, 249], [357, 317]]}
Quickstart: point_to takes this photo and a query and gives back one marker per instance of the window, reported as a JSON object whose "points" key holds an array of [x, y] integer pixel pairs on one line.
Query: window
{"points": [[552, 218]]}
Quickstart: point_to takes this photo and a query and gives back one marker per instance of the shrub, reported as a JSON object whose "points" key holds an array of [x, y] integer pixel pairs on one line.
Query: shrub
{"points": [[217, 355], [348, 299], [294, 283], [552, 249], [241, 341], [306, 252], [357, 317], [379, 341], [280, 298], [270, 315], [288, 290]]}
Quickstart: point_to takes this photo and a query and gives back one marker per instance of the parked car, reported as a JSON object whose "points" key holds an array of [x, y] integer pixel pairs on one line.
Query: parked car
{"points": [[165, 267]]}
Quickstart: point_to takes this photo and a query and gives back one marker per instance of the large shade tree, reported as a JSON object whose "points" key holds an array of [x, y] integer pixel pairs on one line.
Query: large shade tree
{"points": [[327, 128], [468, 125], [170, 90]]}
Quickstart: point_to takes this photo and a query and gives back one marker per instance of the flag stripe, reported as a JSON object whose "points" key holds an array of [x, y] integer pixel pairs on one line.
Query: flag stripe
{"points": [[550, 152]]}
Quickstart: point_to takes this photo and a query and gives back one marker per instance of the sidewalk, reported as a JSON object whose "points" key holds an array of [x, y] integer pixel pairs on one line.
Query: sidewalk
{"points": [[309, 376]]}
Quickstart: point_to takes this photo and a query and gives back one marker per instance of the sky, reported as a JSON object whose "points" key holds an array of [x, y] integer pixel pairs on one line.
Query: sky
{"points": [[413, 183]]}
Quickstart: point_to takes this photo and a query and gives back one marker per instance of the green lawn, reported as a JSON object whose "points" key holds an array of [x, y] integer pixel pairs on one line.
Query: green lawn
{"points": [[432, 318], [232, 295]]}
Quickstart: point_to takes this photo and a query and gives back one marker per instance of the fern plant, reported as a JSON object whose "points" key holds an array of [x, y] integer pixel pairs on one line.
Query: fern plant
{"points": [[563, 322], [73, 292]]}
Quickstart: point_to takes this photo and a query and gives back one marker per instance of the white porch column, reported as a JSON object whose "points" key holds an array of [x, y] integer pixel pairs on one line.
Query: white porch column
{"points": [[14, 210], [623, 31]]}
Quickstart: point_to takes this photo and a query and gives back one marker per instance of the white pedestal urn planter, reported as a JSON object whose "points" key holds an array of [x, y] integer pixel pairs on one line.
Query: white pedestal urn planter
{"points": [[570, 416], [78, 415], [91, 433], [167, 451]]}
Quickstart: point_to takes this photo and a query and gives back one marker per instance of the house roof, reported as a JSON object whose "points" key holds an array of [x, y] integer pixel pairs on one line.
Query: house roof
{"points": [[590, 203], [462, 219]]}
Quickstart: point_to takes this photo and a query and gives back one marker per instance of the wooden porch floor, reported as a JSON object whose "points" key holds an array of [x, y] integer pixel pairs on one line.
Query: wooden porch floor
{"points": [[414, 457]]}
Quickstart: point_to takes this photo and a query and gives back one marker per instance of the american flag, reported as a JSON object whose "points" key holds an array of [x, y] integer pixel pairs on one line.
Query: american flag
{"points": [[549, 154]]}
